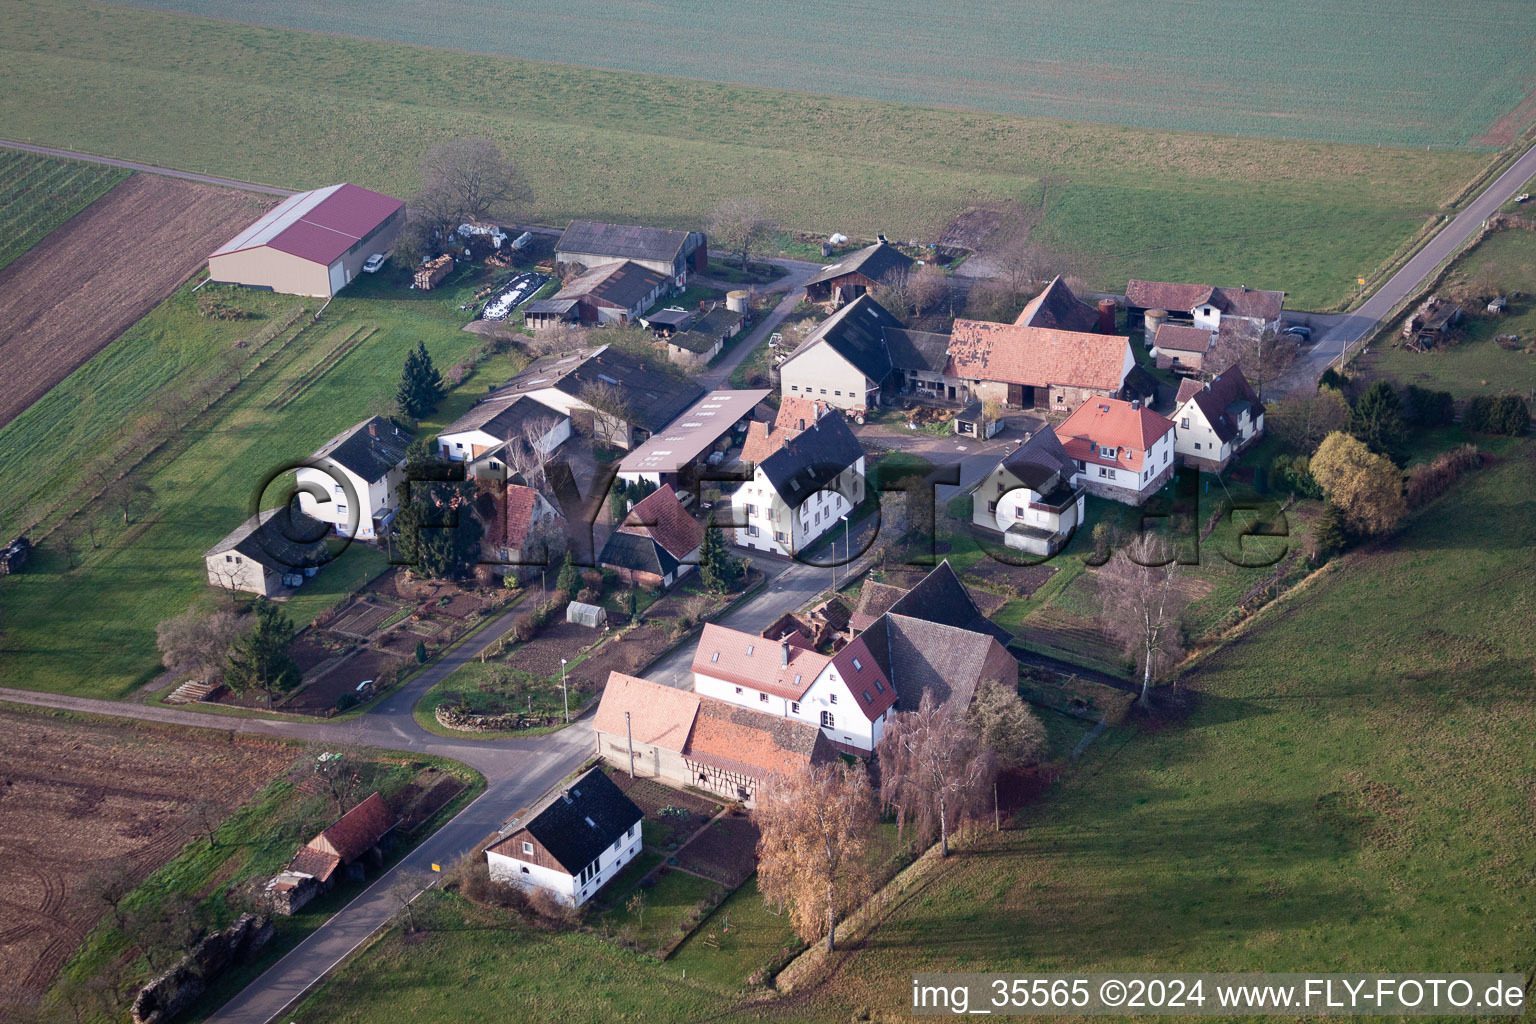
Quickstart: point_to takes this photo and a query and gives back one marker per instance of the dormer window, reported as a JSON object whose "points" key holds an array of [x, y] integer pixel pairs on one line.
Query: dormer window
{"points": [[1108, 453]]}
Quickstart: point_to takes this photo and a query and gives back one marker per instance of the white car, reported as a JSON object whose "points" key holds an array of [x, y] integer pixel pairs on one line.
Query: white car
{"points": [[375, 262]]}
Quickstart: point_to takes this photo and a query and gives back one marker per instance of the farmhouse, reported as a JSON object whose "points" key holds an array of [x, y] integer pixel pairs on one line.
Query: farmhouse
{"points": [[611, 293], [352, 481], [800, 490], [1181, 347], [1123, 450], [1217, 420], [571, 843], [1041, 367], [847, 694], [665, 456], [637, 400], [857, 273], [523, 532], [313, 243], [763, 439], [269, 553], [1203, 305], [657, 543], [684, 739], [673, 254], [1031, 497], [494, 433], [347, 847], [844, 362]]}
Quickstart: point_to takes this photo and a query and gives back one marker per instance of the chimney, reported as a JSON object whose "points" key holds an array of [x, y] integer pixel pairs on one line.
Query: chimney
{"points": [[784, 653], [1135, 403], [373, 429]]}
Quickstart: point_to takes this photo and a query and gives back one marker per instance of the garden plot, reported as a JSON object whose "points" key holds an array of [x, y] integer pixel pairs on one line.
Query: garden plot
{"points": [[362, 619]]}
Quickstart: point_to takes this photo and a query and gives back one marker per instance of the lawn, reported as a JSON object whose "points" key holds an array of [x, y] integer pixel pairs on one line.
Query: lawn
{"points": [[669, 902], [741, 936], [90, 629], [1475, 366], [307, 109], [38, 193]]}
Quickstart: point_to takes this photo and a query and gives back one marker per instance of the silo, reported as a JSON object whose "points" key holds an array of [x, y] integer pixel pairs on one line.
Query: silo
{"points": [[1107, 308], [1153, 318], [736, 301]]}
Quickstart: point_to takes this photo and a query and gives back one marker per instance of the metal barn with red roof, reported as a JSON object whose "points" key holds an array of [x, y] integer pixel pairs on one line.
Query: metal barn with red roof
{"points": [[312, 243]]}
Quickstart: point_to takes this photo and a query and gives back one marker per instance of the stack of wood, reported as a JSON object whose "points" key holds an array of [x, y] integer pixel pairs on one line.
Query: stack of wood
{"points": [[429, 274]]}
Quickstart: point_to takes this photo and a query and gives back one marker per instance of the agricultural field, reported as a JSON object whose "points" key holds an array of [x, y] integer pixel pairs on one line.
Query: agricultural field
{"points": [[1393, 74], [1475, 365], [38, 193], [305, 110], [82, 798], [203, 411], [95, 276]]}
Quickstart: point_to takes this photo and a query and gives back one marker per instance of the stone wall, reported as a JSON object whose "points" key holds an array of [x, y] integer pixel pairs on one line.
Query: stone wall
{"points": [[169, 995]]}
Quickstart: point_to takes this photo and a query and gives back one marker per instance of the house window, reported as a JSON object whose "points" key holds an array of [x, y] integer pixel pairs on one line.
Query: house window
{"points": [[1111, 474], [763, 698], [751, 510], [1165, 456], [1197, 446], [839, 394], [831, 698], [229, 558], [239, 560], [752, 531], [528, 848], [867, 698], [1061, 400], [999, 487], [827, 721], [1184, 423], [341, 510], [340, 490], [459, 445], [738, 689], [794, 706], [794, 387], [856, 666], [1103, 471], [1108, 453], [1018, 511], [779, 536], [991, 506], [823, 390]]}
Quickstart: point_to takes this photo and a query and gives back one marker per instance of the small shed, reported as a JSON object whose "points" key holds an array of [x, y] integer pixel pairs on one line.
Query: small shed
{"points": [[972, 422], [590, 615], [14, 555]]}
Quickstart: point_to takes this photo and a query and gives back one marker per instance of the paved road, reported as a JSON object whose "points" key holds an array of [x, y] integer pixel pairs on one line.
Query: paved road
{"points": [[207, 179], [798, 272], [1355, 325]]}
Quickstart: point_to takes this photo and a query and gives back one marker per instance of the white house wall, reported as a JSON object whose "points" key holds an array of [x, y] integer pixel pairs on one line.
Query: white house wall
{"points": [[820, 373], [512, 869]]}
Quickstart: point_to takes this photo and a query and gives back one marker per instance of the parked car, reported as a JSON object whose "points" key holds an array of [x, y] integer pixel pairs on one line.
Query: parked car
{"points": [[1298, 331], [375, 262]]}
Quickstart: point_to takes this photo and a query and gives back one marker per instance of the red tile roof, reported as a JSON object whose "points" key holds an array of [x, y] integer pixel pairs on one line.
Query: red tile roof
{"points": [[314, 862], [1181, 338], [662, 518], [754, 743], [514, 515], [357, 831], [763, 439], [750, 660], [1037, 356], [1111, 423], [871, 690], [1239, 301], [659, 715]]}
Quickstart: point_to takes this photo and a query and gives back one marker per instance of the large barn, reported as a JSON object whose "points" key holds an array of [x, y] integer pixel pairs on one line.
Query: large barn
{"points": [[313, 243]]}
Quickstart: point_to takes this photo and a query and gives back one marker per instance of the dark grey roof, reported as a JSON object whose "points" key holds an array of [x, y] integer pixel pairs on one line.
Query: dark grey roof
{"points": [[706, 332], [1035, 461], [927, 656], [636, 553], [579, 823], [1223, 400], [941, 597], [655, 397], [670, 317], [1058, 308], [917, 350], [281, 539], [874, 262], [857, 333], [625, 284], [502, 416], [557, 306], [807, 462], [370, 449], [626, 241]]}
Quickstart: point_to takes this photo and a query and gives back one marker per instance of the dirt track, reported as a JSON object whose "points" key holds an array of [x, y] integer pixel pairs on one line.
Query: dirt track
{"points": [[101, 271]]}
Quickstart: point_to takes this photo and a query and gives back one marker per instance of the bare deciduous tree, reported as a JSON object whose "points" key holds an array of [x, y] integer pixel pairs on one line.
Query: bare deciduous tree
{"points": [[1006, 726], [526, 454], [928, 288], [468, 180], [609, 402], [1141, 604], [128, 496], [894, 292], [934, 768], [739, 225], [196, 644], [815, 827], [67, 536], [108, 887], [1263, 354], [1302, 421], [558, 339], [404, 891]]}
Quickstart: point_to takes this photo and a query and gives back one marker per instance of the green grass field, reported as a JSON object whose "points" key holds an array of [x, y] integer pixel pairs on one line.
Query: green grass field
{"points": [[1395, 74], [38, 193], [306, 110], [1475, 366], [90, 629]]}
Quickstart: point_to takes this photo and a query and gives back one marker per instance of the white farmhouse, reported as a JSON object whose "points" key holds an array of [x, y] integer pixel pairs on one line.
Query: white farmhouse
{"points": [[488, 435], [1217, 420], [847, 694], [352, 481], [1032, 497], [1123, 450], [801, 489], [844, 362], [570, 844]]}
